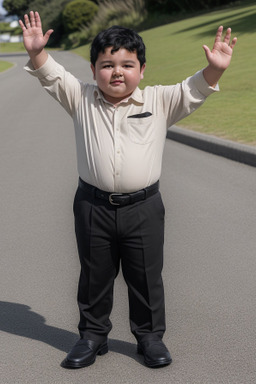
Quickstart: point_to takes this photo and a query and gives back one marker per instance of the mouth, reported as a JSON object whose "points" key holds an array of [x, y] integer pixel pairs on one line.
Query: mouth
{"points": [[116, 82]]}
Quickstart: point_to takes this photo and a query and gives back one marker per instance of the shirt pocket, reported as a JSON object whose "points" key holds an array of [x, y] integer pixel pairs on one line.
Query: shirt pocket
{"points": [[141, 130]]}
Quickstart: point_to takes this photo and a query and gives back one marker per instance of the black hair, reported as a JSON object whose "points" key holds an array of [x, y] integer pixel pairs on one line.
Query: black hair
{"points": [[118, 37]]}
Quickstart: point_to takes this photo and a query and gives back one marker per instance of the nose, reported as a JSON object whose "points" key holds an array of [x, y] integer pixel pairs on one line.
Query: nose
{"points": [[117, 71]]}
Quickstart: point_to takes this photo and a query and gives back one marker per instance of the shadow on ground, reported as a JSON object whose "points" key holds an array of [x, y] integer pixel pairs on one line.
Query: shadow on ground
{"points": [[20, 320], [241, 22]]}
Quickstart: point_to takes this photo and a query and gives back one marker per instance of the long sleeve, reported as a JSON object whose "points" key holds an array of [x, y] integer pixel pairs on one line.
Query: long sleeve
{"points": [[59, 83], [182, 99]]}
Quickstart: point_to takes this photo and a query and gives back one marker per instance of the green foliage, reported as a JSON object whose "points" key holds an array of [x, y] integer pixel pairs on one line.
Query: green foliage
{"points": [[78, 13], [16, 7], [5, 27], [130, 13], [50, 12], [113, 12]]}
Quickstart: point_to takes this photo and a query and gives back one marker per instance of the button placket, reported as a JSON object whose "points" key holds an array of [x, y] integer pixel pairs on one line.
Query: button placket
{"points": [[117, 146]]}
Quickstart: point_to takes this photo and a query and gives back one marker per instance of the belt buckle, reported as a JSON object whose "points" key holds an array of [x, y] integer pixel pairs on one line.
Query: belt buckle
{"points": [[110, 198]]}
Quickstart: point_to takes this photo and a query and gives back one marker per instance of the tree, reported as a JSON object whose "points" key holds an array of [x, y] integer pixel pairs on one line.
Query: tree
{"points": [[16, 7], [51, 16]]}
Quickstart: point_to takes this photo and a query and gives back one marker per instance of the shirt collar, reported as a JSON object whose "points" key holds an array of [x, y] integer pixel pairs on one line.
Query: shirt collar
{"points": [[137, 96]]}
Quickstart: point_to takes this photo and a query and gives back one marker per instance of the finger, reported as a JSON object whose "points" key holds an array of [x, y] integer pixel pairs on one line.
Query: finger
{"points": [[227, 36], [38, 20], [233, 43], [219, 34], [32, 19], [22, 25], [27, 22]]}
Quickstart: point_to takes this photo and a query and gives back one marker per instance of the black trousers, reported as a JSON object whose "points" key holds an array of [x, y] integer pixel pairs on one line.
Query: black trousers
{"points": [[108, 236]]}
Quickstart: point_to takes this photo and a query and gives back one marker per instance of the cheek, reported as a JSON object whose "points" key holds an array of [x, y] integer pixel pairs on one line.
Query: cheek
{"points": [[134, 79], [103, 76]]}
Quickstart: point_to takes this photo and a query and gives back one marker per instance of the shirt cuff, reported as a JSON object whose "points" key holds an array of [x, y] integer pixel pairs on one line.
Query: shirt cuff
{"points": [[201, 84], [44, 70]]}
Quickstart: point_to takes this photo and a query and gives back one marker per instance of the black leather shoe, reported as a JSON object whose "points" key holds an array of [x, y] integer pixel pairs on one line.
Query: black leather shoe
{"points": [[84, 353], [155, 353]]}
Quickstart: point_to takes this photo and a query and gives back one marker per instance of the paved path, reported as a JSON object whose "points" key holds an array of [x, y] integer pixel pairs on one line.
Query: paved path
{"points": [[210, 263]]}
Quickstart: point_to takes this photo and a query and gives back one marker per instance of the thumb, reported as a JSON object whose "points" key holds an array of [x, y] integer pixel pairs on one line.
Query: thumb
{"points": [[47, 35], [207, 51]]}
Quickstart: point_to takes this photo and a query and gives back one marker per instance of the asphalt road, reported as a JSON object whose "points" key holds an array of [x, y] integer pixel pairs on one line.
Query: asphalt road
{"points": [[210, 262]]}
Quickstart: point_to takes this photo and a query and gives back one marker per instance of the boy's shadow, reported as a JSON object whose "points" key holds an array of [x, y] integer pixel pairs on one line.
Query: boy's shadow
{"points": [[18, 319]]}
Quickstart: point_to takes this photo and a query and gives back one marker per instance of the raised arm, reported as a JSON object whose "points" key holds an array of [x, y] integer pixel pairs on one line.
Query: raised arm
{"points": [[34, 39], [219, 57]]}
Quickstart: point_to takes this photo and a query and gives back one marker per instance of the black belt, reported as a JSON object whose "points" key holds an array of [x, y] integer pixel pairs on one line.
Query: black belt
{"points": [[120, 198]]}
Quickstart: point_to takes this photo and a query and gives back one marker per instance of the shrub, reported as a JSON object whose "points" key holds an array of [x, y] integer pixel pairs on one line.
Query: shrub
{"points": [[78, 13], [5, 27], [130, 14]]}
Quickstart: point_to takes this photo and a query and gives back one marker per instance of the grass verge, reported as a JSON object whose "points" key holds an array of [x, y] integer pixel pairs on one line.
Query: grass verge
{"points": [[11, 47], [4, 65], [175, 51]]}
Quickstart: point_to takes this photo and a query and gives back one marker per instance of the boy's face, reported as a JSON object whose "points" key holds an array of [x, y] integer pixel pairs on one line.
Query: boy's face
{"points": [[117, 74]]}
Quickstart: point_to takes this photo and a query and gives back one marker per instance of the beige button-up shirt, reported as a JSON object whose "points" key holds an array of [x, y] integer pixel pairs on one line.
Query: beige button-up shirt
{"points": [[119, 149]]}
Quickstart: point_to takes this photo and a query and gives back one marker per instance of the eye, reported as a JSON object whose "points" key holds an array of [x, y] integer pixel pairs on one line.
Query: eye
{"points": [[107, 66]]}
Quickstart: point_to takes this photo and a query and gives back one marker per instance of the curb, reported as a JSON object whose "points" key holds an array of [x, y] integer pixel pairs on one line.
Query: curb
{"points": [[235, 151]]}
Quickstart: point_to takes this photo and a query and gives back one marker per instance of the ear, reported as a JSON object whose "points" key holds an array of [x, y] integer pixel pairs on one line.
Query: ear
{"points": [[93, 71], [142, 70]]}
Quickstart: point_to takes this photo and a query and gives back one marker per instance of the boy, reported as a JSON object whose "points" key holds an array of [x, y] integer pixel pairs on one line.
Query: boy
{"points": [[119, 215]]}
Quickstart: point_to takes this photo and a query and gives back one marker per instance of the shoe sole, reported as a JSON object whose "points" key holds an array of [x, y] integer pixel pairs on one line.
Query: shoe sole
{"points": [[152, 364], [72, 365]]}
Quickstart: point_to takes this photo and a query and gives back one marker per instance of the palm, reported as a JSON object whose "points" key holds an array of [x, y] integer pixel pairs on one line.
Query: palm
{"points": [[33, 37], [221, 54]]}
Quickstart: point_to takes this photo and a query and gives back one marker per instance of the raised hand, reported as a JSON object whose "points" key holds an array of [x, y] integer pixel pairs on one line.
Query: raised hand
{"points": [[220, 56], [33, 37]]}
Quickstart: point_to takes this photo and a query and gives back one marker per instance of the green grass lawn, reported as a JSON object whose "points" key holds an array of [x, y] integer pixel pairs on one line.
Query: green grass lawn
{"points": [[174, 51], [5, 65], [11, 47]]}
